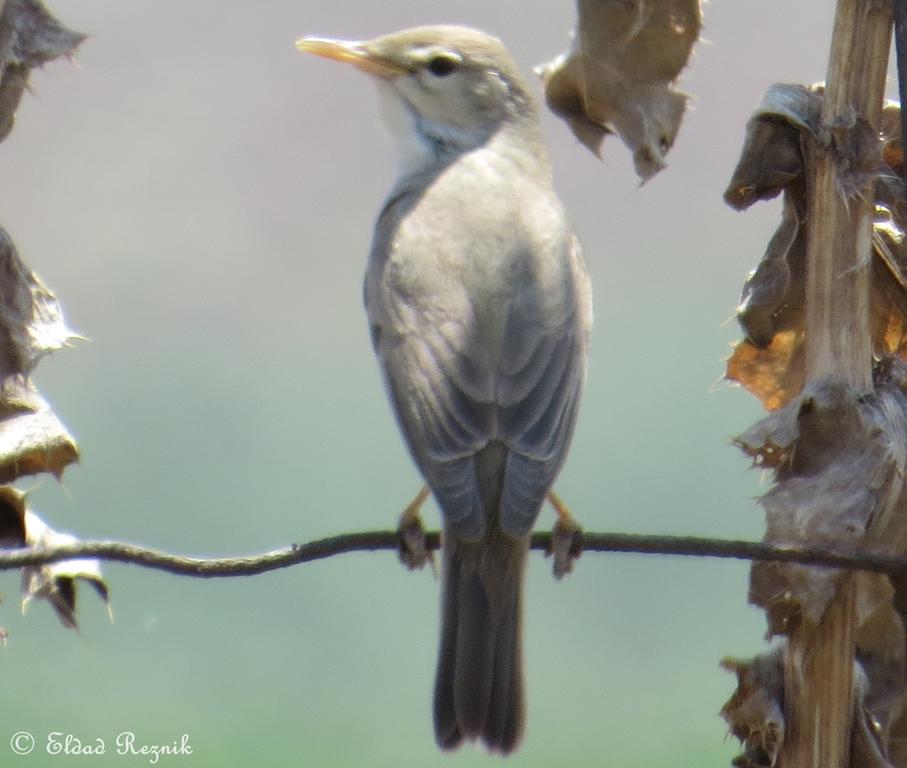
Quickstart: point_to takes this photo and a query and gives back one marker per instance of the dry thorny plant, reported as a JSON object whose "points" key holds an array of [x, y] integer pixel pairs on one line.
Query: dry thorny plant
{"points": [[838, 459]]}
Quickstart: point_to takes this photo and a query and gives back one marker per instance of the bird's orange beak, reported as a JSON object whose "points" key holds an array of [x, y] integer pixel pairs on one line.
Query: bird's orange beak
{"points": [[351, 52]]}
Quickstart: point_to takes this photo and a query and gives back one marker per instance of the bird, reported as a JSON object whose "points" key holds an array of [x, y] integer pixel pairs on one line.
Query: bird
{"points": [[479, 308]]}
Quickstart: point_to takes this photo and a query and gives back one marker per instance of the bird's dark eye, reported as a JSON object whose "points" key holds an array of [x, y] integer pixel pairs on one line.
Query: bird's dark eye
{"points": [[441, 66]]}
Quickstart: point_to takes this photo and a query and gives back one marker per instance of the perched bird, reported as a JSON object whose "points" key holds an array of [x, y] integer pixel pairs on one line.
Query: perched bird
{"points": [[479, 307]]}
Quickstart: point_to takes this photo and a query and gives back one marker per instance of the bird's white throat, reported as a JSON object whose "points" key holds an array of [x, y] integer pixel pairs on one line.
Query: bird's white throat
{"points": [[416, 151]]}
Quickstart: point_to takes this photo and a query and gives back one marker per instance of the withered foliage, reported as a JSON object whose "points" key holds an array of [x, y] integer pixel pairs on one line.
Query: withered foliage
{"points": [[838, 457], [618, 75], [29, 37], [32, 439], [838, 462], [769, 362], [755, 711], [54, 582]]}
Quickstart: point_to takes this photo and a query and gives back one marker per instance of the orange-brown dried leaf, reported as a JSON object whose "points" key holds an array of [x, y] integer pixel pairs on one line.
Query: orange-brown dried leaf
{"points": [[773, 295], [774, 374]]}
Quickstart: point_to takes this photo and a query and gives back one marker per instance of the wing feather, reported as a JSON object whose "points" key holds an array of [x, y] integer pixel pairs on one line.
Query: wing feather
{"points": [[508, 369]]}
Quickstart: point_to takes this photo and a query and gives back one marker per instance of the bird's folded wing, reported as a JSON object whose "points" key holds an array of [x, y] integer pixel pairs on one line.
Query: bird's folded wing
{"points": [[537, 422], [451, 398], [444, 426]]}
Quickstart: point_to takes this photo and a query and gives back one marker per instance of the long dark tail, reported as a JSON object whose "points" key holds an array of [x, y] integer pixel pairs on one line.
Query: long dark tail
{"points": [[479, 683]]}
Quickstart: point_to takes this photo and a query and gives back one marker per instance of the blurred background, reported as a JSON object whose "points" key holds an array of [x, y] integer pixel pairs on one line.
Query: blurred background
{"points": [[201, 197]]}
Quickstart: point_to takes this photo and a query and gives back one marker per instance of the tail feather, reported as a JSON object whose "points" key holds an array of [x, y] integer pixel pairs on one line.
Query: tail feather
{"points": [[479, 684], [447, 729], [506, 715], [475, 655]]}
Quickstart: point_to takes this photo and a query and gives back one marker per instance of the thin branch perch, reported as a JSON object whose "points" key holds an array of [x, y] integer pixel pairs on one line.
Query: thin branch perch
{"points": [[370, 541]]}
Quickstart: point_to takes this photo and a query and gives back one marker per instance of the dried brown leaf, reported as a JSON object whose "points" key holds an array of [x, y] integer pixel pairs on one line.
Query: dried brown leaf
{"points": [[56, 582], [617, 76], [774, 374], [839, 462], [772, 157], [32, 438], [773, 295], [29, 37], [754, 713], [766, 293], [31, 321], [839, 481]]}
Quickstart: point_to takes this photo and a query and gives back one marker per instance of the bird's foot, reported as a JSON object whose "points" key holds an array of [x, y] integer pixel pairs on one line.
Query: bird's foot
{"points": [[412, 548], [566, 538]]}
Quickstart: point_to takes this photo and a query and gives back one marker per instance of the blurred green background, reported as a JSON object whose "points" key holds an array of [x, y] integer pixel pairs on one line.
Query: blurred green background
{"points": [[201, 197]]}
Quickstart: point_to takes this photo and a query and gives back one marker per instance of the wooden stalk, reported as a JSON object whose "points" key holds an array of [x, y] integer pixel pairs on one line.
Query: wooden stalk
{"points": [[840, 229], [900, 38], [818, 674]]}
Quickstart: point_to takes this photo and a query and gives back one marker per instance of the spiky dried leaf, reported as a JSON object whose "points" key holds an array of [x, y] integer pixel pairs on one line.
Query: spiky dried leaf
{"points": [[57, 582], [774, 374], [618, 75], [31, 321], [32, 438], [29, 37], [770, 361], [755, 713], [839, 481]]}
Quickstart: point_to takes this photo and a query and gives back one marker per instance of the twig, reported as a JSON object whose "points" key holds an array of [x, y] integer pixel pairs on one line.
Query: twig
{"points": [[370, 541]]}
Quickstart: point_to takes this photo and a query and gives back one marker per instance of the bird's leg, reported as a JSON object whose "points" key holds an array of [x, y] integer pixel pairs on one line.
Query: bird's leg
{"points": [[411, 535], [566, 538]]}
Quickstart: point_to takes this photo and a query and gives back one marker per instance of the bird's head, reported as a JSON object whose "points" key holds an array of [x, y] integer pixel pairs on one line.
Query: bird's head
{"points": [[456, 86]]}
